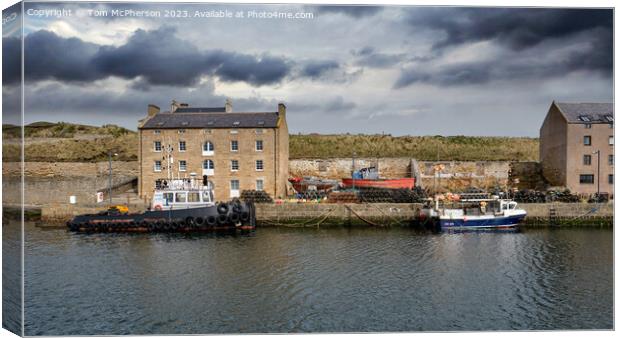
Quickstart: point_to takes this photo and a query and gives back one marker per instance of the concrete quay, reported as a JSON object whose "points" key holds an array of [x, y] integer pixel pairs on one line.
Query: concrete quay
{"points": [[374, 214]]}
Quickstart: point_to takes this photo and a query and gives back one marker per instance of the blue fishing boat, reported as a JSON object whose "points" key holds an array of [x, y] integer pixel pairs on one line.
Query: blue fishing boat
{"points": [[474, 211]]}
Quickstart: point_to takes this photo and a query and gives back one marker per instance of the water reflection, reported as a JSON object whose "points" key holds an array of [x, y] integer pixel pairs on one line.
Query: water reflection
{"points": [[309, 280]]}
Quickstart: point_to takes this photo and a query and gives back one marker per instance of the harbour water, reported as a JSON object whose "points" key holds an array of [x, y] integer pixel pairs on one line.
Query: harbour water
{"points": [[309, 280]]}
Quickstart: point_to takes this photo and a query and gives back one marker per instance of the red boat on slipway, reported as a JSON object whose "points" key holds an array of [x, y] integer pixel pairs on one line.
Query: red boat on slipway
{"points": [[369, 178], [387, 183]]}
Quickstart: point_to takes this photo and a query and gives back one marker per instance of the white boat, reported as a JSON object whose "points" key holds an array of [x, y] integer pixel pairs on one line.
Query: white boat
{"points": [[474, 212], [181, 194]]}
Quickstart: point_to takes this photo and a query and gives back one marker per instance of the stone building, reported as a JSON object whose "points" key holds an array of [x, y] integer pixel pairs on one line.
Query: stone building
{"points": [[572, 137], [236, 150]]}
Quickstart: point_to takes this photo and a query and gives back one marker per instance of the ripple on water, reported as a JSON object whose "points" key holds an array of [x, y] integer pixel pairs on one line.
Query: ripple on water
{"points": [[309, 280]]}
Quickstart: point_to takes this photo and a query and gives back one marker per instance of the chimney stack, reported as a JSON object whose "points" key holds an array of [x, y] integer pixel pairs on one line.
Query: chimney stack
{"points": [[228, 106], [281, 110], [152, 110], [174, 105]]}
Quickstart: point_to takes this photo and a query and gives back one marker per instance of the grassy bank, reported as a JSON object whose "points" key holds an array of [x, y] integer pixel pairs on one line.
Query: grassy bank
{"points": [[64, 142], [458, 148]]}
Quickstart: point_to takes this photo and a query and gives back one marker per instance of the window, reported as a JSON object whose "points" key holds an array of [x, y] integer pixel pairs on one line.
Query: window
{"points": [[587, 159], [610, 179], [157, 131], [610, 159], [181, 197], [234, 131], [259, 165], [208, 146], [586, 179], [157, 166], [611, 140], [182, 165], [234, 188], [208, 164], [181, 131], [208, 131], [157, 145], [234, 145], [259, 131], [260, 184], [588, 125], [193, 197], [182, 146], [234, 165], [259, 145], [168, 197], [587, 140]]}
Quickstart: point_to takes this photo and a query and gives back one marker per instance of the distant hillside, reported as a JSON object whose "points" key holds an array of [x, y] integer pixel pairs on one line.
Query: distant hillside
{"points": [[461, 148], [62, 130], [65, 142]]}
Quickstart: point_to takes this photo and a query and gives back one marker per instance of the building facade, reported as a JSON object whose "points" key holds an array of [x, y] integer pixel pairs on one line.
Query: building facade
{"points": [[236, 150], [573, 138]]}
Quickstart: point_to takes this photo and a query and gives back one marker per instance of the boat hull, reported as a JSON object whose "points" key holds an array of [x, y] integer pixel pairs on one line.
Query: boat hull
{"points": [[239, 216], [397, 183], [481, 223]]}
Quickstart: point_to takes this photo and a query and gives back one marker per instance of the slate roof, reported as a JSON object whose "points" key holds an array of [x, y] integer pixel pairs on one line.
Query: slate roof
{"points": [[587, 112], [178, 120], [200, 110]]}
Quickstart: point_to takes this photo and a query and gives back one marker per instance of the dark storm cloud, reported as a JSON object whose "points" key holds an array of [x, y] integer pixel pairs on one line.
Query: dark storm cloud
{"points": [[11, 64], [355, 11], [48, 56], [517, 28], [316, 69], [156, 57]]}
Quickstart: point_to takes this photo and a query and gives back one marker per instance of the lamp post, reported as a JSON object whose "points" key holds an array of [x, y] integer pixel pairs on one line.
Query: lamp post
{"points": [[598, 174], [353, 170], [110, 154]]}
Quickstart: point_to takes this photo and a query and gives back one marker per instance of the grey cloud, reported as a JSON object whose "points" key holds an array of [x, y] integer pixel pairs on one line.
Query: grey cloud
{"points": [[11, 64], [355, 11], [517, 28], [316, 69], [368, 57]]}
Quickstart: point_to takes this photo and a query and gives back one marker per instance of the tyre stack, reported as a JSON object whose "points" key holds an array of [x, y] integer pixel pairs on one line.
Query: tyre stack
{"points": [[343, 197], [375, 195], [530, 196], [563, 196], [256, 196], [312, 195]]}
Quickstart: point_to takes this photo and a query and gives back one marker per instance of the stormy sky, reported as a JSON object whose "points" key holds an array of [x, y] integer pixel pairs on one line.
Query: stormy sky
{"points": [[365, 69]]}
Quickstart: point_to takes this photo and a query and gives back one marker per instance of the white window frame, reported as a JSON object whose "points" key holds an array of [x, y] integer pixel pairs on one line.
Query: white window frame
{"points": [[262, 145], [181, 164], [262, 164], [184, 146], [236, 142], [155, 166], [155, 146], [208, 171], [611, 140], [210, 152], [234, 192], [232, 165], [262, 184]]}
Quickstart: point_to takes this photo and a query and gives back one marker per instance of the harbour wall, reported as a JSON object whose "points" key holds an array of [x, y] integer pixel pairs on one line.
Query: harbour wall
{"points": [[376, 214]]}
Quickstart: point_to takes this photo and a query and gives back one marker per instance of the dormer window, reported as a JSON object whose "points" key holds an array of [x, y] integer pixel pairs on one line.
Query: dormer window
{"points": [[261, 123], [210, 123], [185, 123], [236, 123], [609, 118]]}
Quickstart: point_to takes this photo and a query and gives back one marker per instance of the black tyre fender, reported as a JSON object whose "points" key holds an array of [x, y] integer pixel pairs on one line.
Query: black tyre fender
{"points": [[189, 220], [174, 226], [237, 207], [222, 208], [234, 218], [199, 221], [245, 216], [211, 220], [222, 219]]}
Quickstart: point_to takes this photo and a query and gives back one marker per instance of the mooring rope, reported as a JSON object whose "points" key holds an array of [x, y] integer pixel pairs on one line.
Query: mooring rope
{"points": [[304, 224], [362, 218], [386, 215]]}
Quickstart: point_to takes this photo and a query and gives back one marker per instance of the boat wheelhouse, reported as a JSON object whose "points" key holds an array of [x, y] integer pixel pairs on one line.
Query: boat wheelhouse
{"points": [[181, 194], [475, 211]]}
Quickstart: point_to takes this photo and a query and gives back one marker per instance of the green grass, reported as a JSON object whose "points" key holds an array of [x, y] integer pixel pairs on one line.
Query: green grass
{"points": [[458, 148], [125, 142]]}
